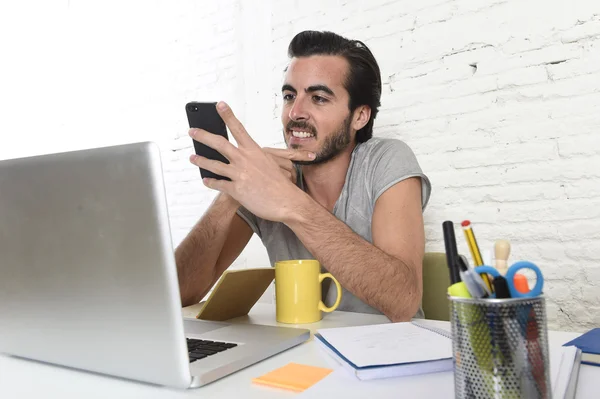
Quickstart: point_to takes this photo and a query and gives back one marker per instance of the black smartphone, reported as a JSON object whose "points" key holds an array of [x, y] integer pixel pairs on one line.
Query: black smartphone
{"points": [[205, 116]]}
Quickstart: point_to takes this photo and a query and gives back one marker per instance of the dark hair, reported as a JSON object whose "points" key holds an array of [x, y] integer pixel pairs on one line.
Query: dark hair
{"points": [[363, 82]]}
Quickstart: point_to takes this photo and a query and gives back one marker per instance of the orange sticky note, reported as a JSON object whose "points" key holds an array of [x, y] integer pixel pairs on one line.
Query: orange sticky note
{"points": [[293, 376]]}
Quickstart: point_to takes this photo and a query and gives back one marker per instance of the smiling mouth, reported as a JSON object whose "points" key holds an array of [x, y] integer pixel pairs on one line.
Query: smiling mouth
{"points": [[301, 134]]}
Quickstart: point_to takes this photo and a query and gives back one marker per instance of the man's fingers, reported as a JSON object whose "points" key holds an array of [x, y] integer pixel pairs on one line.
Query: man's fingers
{"points": [[287, 167], [291, 154], [235, 126], [217, 167], [283, 163], [223, 186], [219, 143]]}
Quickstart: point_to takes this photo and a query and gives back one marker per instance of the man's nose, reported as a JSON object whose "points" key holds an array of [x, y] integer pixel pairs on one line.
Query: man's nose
{"points": [[298, 112]]}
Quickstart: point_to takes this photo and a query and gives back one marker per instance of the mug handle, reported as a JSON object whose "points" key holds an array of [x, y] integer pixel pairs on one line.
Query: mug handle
{"points": [[322, 307]]}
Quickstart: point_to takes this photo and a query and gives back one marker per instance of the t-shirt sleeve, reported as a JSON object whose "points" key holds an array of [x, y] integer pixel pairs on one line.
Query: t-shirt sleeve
{"points": [[251, 219], [394, 161]]}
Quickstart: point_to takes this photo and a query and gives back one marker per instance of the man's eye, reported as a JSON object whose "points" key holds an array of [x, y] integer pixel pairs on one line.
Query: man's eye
{"points": [[288, 97], [319, 99]]}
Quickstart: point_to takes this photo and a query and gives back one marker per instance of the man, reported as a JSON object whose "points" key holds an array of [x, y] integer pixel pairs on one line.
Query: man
{"points": [[336, 195]]}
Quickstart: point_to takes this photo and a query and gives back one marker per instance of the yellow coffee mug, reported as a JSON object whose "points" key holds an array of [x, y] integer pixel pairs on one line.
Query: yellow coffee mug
{"points": [[298, 291]]}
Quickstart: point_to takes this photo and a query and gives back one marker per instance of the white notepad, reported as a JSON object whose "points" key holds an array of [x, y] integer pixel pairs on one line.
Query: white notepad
{"points": [[564, 364], [389, 350]]}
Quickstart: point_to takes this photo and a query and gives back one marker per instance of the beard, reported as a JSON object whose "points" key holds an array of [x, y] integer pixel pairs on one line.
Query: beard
{"points": [[333, 145]]}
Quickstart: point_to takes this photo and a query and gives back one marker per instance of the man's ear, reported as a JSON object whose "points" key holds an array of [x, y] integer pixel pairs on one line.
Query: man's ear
{"points": [[361, 117]]}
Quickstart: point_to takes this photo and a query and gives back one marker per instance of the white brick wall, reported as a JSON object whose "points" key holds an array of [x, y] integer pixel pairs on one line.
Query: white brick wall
{"points": [[509, 144]]}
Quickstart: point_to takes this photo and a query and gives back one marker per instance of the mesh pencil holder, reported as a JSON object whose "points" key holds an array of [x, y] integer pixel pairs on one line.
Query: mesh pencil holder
{"points": [[500, 348]]}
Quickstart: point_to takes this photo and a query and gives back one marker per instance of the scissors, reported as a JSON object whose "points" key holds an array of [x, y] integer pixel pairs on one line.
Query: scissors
{"points": [[510, 277]]}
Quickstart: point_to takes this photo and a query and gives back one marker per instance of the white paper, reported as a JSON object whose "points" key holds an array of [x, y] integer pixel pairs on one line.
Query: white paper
{"points": [[385, 344], [340, 384], [561, 365]]}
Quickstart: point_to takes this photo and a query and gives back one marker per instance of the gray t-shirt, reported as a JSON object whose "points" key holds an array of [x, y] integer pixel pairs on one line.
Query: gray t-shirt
{"points": [[375, 166]]}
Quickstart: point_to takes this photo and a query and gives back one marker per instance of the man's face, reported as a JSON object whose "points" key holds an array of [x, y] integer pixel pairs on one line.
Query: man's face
{"points": [[315, 112]]}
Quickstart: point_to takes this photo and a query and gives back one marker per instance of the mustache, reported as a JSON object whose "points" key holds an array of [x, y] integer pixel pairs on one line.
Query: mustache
{"points": [[301, 125]]}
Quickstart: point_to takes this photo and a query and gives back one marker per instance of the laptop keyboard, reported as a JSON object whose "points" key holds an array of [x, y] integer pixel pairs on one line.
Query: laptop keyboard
{"points": [[199, 349]]}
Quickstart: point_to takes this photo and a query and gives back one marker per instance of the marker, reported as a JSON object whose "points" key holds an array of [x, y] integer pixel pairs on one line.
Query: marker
{"points": [[521, 284], [474, 248], [501, 287], [451, 251], [459, 290]]}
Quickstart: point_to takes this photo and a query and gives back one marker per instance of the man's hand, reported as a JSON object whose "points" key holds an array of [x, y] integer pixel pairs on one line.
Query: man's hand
{"points": [[285, 157], [257, 181]]}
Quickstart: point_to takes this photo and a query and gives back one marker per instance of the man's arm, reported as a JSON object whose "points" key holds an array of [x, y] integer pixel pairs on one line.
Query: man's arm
{"points": [[386, 274], [210, 248]]}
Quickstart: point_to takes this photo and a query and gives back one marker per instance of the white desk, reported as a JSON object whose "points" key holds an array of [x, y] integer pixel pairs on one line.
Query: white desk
{"points": [[27, 379]]}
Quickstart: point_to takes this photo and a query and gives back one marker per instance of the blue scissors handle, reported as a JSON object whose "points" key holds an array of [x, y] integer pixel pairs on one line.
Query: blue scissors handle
{"points": [[488, 270], [510, 278]]}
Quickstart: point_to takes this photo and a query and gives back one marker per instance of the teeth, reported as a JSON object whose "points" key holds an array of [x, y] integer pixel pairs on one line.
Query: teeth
{"points": [[301, 134]]}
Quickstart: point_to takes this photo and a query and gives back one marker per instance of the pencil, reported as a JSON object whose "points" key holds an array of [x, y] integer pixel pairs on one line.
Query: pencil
{"points": [[472, 242]]}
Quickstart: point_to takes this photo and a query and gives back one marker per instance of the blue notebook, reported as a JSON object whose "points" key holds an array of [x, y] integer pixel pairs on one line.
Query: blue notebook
{"points": [[589, 343]]}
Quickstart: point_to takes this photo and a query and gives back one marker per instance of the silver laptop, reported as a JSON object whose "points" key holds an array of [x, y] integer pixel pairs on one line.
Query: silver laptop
{"points": [[88, 277]]}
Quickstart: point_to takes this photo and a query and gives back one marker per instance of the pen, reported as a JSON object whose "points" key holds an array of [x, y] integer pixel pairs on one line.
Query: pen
{"points": [[500, 327], [517, 349], [474, 248], [472, 317], [451, 251], [473, 281]]}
